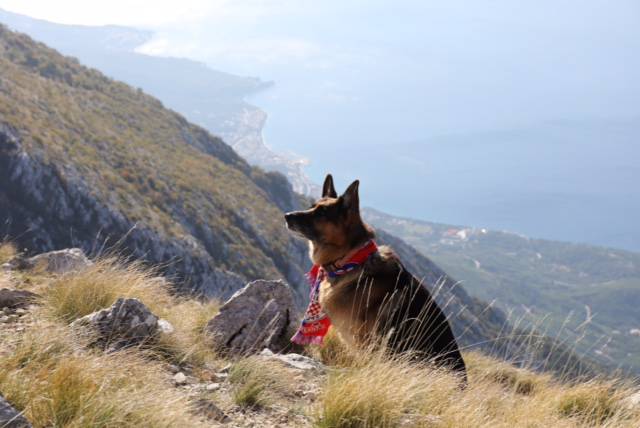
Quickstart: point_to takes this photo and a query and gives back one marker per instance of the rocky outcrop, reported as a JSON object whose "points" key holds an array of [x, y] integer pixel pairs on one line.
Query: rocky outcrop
{"points": [[16, 299], [57, 262], [10, 417], [128, 322], [259, 316]]}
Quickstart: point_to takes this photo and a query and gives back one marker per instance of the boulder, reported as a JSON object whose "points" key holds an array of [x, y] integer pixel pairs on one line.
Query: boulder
{"points": [[128, 322], [260, 315], [14, 299], [59, 262], [10, 417], [62, 261]]}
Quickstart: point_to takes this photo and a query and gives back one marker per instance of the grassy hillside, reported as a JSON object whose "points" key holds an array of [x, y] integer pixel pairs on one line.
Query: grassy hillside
{"points": [[48, 372], [143, 163], [207, 97], [581, 291]]}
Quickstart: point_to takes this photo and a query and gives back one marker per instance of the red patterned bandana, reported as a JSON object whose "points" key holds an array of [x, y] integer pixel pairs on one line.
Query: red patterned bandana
{"points": [[316, 323]]}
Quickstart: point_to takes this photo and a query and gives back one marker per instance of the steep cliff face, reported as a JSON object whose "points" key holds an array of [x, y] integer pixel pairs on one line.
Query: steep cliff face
{"points": [[89, 162], [42, 210]]}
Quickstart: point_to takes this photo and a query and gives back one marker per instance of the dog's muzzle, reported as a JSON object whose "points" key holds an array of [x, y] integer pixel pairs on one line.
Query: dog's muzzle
{"points": [[289, 219], [293, 221], [298, 222]]}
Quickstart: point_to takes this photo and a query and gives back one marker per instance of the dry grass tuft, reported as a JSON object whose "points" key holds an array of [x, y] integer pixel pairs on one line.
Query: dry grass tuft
{"points": [[7, 251], [386, 392], [51, 375], [515, 380], [333, 351], [593, 403], [382, 392], [56, 382], [77, 294], [187, 344], [258, 382]]}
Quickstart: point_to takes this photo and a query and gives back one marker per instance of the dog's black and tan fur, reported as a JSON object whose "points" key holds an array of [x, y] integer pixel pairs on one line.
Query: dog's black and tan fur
{"points": [[380, 300]]}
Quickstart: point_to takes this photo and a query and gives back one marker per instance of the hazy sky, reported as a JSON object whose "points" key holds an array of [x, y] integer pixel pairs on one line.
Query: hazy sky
{"points": [[123, 12], [371, 71], [469, 65]]}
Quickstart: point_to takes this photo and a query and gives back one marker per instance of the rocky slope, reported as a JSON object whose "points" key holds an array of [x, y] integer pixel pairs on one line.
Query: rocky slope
{"points": [[102, 343]]}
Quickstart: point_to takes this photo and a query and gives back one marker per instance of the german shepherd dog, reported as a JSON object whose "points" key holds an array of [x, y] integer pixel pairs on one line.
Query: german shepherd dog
{"points": [[379, 300]]}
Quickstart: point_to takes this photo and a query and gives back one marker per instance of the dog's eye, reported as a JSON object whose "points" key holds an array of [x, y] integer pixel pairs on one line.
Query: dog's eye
{"points": [[322, 210]]}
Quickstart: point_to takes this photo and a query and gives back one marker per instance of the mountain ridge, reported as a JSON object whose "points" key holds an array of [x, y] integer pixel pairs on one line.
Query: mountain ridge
{"points": [[210, 98]]}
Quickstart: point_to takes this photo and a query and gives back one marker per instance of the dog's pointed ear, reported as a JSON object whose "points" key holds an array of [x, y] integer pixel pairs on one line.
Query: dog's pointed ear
{"points": [[351, 197], [328, 191]]}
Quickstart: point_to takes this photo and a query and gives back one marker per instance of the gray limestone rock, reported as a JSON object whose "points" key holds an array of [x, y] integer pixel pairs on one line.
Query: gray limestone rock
{"points": [[258, 316], [128, 322], [295, 361], [14, 299], [10, 417], [59, 262], [63, 261]]}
